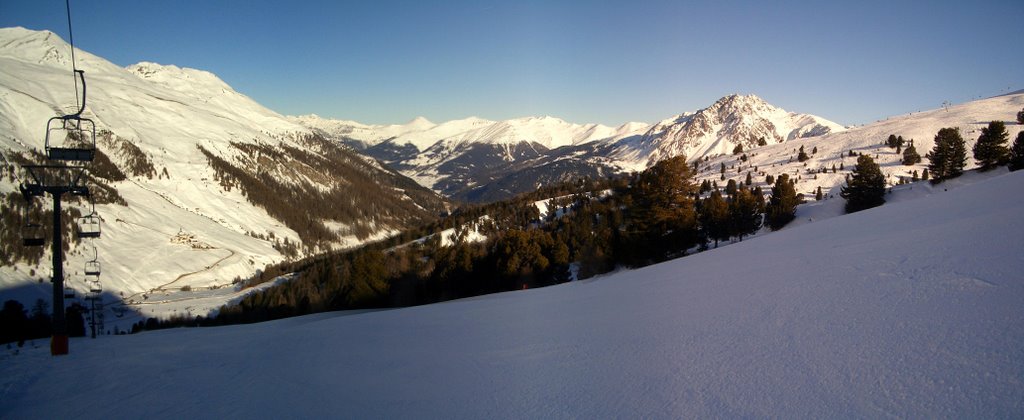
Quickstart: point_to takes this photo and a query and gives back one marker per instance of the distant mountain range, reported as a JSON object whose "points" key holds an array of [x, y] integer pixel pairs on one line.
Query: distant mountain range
{"points": [[476, 160]]}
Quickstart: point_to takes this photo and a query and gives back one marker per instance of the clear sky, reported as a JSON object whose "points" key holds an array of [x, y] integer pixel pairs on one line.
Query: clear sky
{"points": [[383, 61]]}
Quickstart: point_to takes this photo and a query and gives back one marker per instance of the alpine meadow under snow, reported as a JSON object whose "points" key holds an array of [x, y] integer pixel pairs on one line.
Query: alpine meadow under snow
{"points": [[911, 309]]}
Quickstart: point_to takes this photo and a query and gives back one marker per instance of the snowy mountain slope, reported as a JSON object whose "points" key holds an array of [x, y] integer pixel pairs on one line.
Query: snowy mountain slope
{"points": [[833, 149], [732, 120], [910, 310], [361, 135], [178, 121]]}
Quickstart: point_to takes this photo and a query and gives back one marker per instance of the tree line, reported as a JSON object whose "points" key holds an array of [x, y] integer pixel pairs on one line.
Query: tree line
{"points": [[593, 227], [18, 324]]}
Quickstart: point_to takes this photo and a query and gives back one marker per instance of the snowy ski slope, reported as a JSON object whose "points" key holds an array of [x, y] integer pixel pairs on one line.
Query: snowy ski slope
{"points": [[912, 309]]}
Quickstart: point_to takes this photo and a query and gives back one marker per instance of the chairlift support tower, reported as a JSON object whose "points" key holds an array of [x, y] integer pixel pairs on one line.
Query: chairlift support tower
{"points": [[70, 144], [56, 180]]}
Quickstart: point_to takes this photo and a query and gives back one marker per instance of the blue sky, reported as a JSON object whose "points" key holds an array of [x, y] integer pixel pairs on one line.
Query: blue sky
{"points": [[583, 61]]}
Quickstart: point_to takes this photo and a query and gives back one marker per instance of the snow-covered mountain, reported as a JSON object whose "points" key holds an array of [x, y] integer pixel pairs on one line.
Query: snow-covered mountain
{"points": [[829, 159], [732, 120], [482, 160], [548, 131], [457, 164], [212, 186]]}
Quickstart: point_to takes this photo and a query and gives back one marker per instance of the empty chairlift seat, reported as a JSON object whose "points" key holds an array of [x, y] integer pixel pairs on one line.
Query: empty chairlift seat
{"points": [[92, 268], [71, 137], [89, 226], [32, 235]]}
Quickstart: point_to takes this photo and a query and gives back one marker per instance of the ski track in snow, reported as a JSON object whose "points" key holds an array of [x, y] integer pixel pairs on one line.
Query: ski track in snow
{"points": [[911, 309]]}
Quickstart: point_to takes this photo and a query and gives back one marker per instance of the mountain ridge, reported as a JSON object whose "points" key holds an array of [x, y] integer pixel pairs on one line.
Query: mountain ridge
{"points": [[449, 157], [201, 161]]}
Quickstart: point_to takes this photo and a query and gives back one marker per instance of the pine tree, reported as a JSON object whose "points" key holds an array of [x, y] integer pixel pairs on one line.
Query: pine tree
{"points": [[866, 188], [738, 149], [949, 156], [781, 208], [1017, 151], [802, 156], [749, 180], [990, 150], [818, 195], [14, 322], [910, 155], [714, 217], [915, 177], [730, 187], [665, 209], [891, 141], [745, 213], [1020, 117], [925, 175]]}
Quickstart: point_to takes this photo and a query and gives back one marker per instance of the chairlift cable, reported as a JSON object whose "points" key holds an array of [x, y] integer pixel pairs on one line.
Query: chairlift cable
{"points": [[71, 40]]}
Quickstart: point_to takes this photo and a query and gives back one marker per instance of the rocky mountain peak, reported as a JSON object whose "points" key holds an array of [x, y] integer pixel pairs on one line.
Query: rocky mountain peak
{"points": [[732, 120]]}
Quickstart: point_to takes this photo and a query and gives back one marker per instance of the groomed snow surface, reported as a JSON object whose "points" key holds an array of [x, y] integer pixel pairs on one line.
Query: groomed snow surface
{"points": [[913, 309]]}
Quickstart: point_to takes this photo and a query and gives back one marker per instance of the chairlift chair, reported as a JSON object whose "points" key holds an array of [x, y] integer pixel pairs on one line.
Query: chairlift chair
{"points": [[32, 234], [89, 226], [92, 268], [79, 142], [95, 287]]}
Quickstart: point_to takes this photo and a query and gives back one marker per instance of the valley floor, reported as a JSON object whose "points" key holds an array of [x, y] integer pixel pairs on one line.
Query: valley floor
{"points": [[912, 309]]}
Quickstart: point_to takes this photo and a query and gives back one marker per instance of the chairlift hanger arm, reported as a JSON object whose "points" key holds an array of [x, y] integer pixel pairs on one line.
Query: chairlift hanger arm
{"points": [[81, 109]]}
